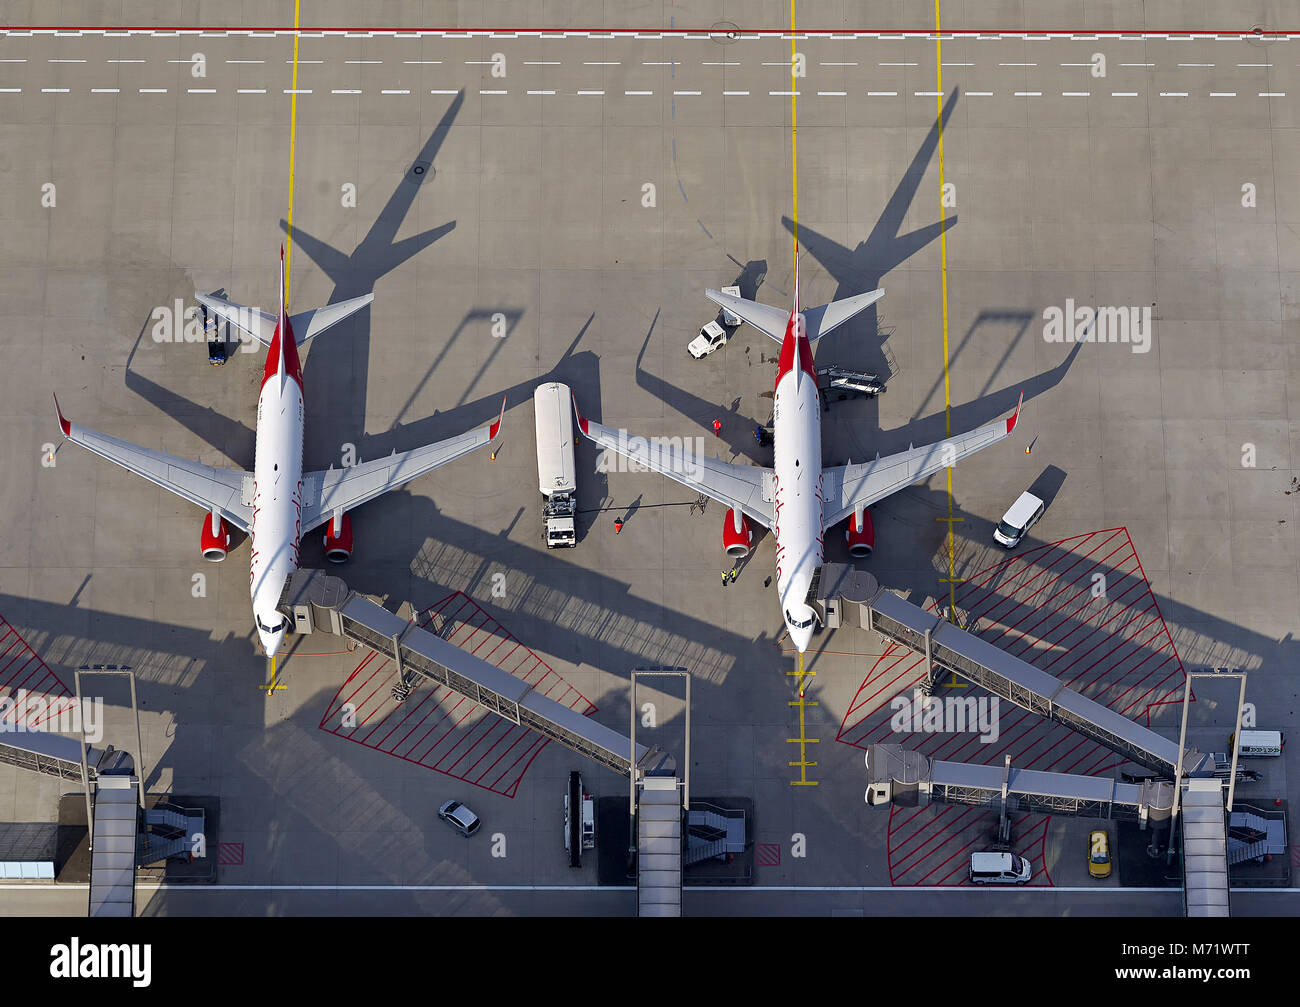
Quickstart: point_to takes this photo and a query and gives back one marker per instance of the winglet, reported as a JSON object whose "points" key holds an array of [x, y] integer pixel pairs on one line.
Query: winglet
{"points": [[582, 423], [64, 425], [1015, 417], [492, 433]]}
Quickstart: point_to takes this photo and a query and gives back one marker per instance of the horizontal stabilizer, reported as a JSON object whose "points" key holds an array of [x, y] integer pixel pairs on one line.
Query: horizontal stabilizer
{"points": [[820, 321], [763, 317], [258, 324], [312, 323]]}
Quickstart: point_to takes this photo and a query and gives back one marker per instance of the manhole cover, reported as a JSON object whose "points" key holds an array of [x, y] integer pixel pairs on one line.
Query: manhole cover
{"points": [[420, 172], [725, 32]]}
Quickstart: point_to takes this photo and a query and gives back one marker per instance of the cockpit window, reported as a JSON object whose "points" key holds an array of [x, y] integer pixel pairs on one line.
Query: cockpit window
{"points": [[273, 628], [796, 623]]}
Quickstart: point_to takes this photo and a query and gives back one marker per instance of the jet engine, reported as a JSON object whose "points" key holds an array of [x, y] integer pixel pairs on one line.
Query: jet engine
{"points": [[737, 537], [861, 540], [214, 539], [338, 539]]}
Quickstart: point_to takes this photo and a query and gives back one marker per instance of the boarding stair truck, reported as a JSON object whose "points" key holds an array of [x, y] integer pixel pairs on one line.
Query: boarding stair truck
{"points": [[553, 411], [579, 820]]}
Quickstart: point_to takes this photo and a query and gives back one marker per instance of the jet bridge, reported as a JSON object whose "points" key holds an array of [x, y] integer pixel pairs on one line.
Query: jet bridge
{"points": [[314, 600], [950, 649], [909, 778]]}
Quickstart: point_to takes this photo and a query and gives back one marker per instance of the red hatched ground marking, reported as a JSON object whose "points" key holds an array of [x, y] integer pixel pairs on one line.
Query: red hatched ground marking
{"points": [[440, 730], [1041, 606], [21, 671], [230, 854], [767, 854]]}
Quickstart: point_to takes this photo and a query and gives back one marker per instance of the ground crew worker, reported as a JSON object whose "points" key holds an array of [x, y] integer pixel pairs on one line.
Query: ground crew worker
{"points": [[618, 525], [717, 428]]}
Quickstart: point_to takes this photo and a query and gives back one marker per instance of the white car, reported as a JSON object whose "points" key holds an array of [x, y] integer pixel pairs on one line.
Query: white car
{"points": [[710, 338]]}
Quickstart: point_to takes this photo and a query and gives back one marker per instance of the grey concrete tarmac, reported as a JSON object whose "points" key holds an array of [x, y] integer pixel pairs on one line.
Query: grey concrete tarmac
{"points": [[165, 182]]}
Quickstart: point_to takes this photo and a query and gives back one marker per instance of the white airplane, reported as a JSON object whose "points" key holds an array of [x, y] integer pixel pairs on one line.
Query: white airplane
{"points": [[797, 498], [277, 502]]}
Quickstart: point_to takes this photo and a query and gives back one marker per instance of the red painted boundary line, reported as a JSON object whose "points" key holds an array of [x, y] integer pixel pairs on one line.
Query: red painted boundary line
{"points": [[926, 33]]}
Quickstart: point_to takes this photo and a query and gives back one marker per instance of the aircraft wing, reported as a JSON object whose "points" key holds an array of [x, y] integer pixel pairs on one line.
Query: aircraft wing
{"points": [[204, 485], [737, 486], [845, 488], [326, 491]]}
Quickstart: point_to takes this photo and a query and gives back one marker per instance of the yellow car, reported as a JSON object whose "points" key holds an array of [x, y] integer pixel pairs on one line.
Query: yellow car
{"points": [[1098, 854]]}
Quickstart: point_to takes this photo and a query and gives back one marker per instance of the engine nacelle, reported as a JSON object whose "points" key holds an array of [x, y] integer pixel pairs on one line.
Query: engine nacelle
{"points": [[736, 541], [338, 547], [214, 539], [861, 540]]}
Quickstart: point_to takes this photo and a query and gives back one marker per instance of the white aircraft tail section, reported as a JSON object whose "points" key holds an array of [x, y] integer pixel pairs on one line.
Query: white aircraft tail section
{"points": [[261, 325], [818, 321]]}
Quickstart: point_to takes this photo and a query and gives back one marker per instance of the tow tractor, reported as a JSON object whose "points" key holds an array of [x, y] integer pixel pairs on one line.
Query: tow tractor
{"points": [[215, 337]]}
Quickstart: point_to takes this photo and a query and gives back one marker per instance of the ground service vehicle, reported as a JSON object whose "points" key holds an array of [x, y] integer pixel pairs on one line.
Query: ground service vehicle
{"points": [[999, 869], [1016, 522], [556, 477]]}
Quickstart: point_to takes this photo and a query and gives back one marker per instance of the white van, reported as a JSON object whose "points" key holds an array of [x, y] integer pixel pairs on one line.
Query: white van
{"points": [[999, 869], [1022, 515], [1258, 743]]}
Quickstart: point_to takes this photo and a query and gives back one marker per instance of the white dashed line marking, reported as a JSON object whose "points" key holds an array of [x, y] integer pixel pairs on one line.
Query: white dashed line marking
{"points": [[1254, 64], [1272, 94], [400, 91], [1029, 94], [54, 90], [897, 64], [153, 90], [201, 90], [297, 90], [591, 93], [613, 63], [541, 92], [1173, 94], [341, 90], [737, 64], [1123, 94], [1223, 94], [363, 62], [481, 91], [1138, 64], [1017, 64], [73, 61], [1076, 94], [251, 90], [123, 61], [784, 94], [928, 94], [882, 94], [636, 92], [830, 64], [542, 62], [105, 90], [1196, 64], [422, 62], [979, 94], [833, 94], [11, 90], [687, 92], [735, 94], [444, 91], [245, 61]]}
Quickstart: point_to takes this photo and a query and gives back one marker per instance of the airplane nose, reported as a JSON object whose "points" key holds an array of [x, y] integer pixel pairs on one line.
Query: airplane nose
{"points": [[801, 638], [271, 643]]}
